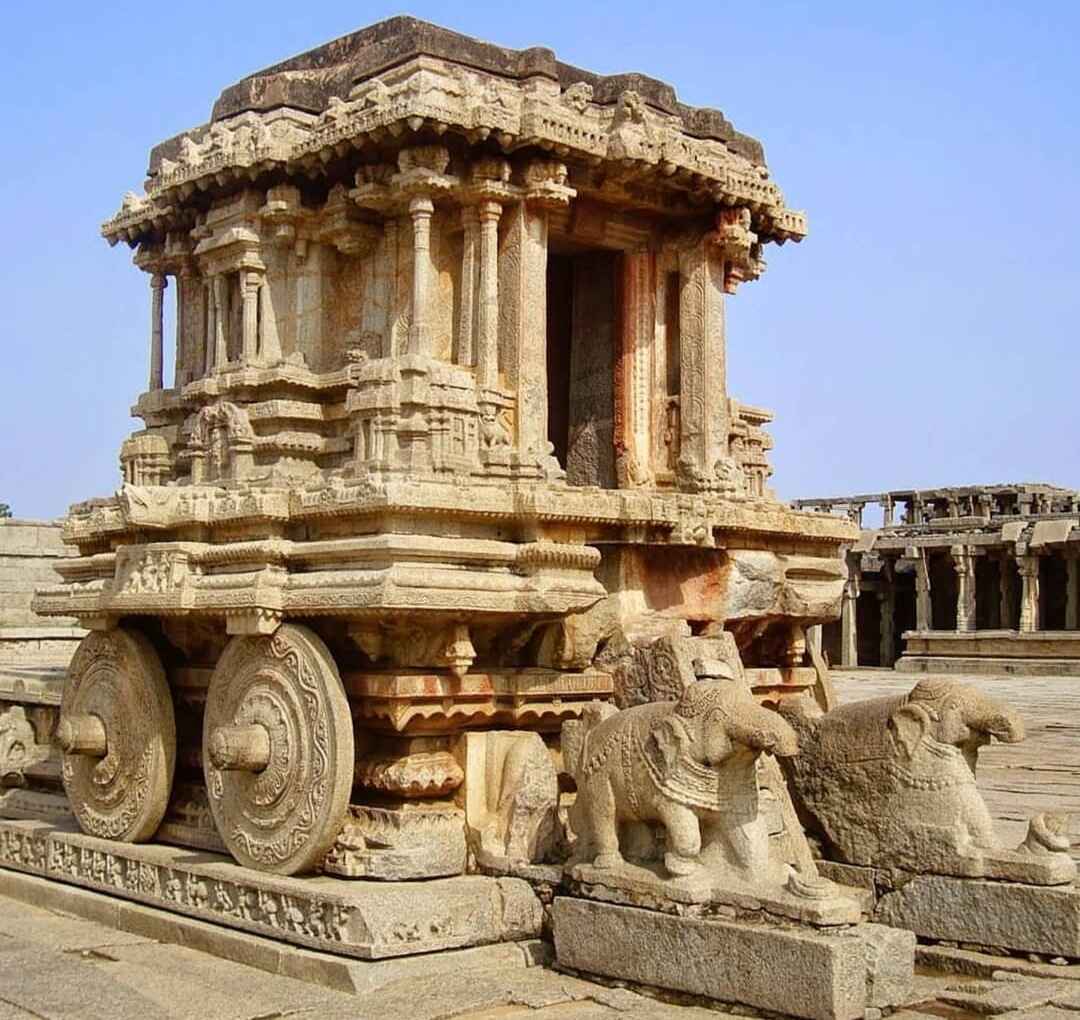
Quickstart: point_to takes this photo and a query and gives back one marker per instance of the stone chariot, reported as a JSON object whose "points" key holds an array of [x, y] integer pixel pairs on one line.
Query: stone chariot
{"points": [[447, 449]]}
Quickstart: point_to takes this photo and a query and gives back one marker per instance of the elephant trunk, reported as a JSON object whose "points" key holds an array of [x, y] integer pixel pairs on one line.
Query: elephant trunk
{"points": [[991, 717], [986, 717], [762, 729]]}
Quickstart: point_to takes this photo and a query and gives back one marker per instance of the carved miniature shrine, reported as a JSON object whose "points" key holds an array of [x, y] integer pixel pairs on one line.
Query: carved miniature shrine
{"points": [[445, 513]]}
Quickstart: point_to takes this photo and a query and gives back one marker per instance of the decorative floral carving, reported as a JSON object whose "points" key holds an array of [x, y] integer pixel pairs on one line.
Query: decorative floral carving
{"points": [[578, 96]]}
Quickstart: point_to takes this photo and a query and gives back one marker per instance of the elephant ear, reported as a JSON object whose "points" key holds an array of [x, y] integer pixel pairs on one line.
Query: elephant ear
{"points": [[670, 737], [909, 724]]}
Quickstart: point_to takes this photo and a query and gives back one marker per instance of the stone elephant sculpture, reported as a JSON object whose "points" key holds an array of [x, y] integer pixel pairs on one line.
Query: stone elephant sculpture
{"points": [[890, 782], [688, 766]]}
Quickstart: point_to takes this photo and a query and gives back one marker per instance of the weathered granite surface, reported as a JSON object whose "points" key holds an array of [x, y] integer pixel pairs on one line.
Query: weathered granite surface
{"points": [[833, 975], [1008, 915]]}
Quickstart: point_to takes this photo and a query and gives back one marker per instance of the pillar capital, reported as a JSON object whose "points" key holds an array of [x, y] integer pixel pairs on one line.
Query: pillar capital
{"points": [[159, 281], [1028, 564], [489, 211], [421, 207]]}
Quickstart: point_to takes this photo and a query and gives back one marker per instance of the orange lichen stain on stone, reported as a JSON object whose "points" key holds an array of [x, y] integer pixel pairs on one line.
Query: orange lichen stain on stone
{"points": [[685, 582]]}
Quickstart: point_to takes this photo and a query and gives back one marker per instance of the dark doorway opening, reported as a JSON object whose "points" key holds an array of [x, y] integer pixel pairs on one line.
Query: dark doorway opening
{"points": [[1053, 581], [987, 593], [582, 305], [868, 628], [942, 591]]}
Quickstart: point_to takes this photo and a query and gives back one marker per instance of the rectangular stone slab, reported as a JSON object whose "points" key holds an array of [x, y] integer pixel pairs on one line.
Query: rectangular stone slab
{"points": [[367, 920], [795, 970], [1029, 918]]}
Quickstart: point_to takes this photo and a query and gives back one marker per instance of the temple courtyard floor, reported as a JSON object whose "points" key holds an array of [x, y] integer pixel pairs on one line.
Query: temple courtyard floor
{"points": [[55, 965]]}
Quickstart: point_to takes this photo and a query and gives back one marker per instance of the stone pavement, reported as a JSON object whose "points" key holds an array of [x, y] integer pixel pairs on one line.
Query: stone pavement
{"points": [[57, 967], [1017, 780]]}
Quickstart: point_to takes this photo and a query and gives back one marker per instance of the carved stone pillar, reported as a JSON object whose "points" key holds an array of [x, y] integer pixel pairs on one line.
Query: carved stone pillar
{"points": [[208, 342], [523, 320], [470, 221], [634, 369], [249, 295], [964, 565], [158, 283], [269, 341], [312, 268], [923, 606], [1007, 592], [849, 635], [221, 336], [888, 509], [186, 343], [887, 601], [421, 210], [1029, 591], [487, 320], [1072, 589], [703, 400]]}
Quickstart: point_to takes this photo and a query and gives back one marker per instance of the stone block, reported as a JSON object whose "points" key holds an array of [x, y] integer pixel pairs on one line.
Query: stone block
{"points": [[890, 964], [1031, 919], [828, 975]]}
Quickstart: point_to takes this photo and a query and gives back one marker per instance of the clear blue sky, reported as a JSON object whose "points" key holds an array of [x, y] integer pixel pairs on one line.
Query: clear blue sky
{"points": [[924, 334]]}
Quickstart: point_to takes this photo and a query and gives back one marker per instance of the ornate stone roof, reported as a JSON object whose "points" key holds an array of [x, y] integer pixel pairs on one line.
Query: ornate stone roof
{"points": [[404, 81]]}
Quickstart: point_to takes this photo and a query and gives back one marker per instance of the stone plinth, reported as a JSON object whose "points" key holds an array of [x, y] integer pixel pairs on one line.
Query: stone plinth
{"points": [[833, 974], [1029, 653], [1005, 915], [360, 919]]}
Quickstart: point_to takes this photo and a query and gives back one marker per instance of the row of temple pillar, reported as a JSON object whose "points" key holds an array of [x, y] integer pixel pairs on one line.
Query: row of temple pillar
{"points": [[481, 223], [216, 339], [963, 561], [501, 326]]}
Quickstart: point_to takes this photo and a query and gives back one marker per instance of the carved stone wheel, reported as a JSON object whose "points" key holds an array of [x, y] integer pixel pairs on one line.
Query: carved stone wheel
{"points": [[278, 750], [118, 735]]}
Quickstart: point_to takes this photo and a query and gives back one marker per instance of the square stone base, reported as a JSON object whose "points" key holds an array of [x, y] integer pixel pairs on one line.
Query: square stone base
{"points": [[830, 974]]}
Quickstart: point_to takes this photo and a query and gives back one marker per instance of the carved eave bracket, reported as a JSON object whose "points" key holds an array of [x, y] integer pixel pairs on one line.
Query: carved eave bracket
{"points": [[231, 250], [281, 212], [737, 245], [545, 184], [340, 226]]}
